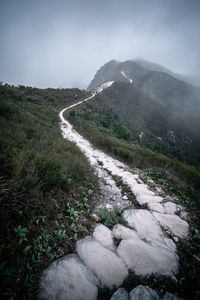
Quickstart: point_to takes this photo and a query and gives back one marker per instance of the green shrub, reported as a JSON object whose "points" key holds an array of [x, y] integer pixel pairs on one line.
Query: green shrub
{"points": [[109, 219]]}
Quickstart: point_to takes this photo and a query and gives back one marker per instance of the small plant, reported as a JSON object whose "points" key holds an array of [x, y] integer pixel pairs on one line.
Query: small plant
{"points": [[60, 234], [90, 192], [42, 218], [26, 249], [73, 227], [109, 218], [79, 204], [82, 228], [21, 233], [85, 202], [73, 213], [69, 180]]}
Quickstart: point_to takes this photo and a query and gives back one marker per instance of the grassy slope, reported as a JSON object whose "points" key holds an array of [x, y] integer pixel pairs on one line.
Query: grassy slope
{"points": [[103, 127], [46, 184], [164, 130]]}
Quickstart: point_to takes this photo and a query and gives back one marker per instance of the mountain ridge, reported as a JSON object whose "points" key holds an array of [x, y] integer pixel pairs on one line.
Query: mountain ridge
{"points": [[161, 106], [109, 71]]}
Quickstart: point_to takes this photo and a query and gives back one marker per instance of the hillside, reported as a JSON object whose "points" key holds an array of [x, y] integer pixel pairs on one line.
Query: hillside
{"points": [[40, 175], [50, 190], [165, 109]]}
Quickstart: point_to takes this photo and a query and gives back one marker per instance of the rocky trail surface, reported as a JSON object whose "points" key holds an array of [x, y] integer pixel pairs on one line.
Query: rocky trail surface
{"points": [[145, 245]]}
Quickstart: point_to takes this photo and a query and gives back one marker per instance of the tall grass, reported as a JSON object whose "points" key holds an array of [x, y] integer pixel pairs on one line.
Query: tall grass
{"points": [[40, 173]]}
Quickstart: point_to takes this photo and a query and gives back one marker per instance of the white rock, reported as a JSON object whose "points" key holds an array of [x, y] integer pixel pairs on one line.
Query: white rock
{"points": [[150, 181], [122, 232], [170, 244], [175, 239], [67, 279], [145, 198], [169, 296], [156, 207], [144, 223], [145, 259], [180, 208], [170, 208], [120, 294], [142, 189], [125, 197], [105, 264], [95, 217], [173, 223], [143, 293], [104, 236], [184, 215]]}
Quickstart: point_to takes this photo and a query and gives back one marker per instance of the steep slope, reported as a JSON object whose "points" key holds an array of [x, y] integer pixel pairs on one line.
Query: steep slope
{"points": [[166, 110], [41, 178], [145, 247], [111, 71], [156, 67]]}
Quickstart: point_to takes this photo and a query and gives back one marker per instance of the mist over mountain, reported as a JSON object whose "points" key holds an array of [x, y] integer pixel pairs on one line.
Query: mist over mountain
{"points": [[152, 101]]}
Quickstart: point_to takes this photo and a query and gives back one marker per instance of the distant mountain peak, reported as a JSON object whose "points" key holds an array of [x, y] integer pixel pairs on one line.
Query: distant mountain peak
{"points": [[135, 68]]}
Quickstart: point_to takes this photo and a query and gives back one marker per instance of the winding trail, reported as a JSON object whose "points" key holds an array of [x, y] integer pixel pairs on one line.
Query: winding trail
{"points": [[146, 245], [123, 74]]}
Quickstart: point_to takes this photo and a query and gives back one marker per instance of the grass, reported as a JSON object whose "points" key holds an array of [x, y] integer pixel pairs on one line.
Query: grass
{"points": [[47, 185], [182, 178], [41, 176], [174, 176]]}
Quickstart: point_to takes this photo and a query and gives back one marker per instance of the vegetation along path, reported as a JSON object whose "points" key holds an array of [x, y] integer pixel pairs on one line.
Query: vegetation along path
{"points": [[143, 242]]}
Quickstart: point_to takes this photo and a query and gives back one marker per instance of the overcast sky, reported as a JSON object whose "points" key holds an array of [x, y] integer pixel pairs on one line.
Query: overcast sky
{"points": [[62, 43]]}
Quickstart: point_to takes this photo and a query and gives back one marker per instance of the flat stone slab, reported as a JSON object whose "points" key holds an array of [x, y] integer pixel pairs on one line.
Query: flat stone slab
{"points": [[148, 258], [142, 292], [173, 223], [67, 279], [121, 232], [144, 223], [105, 264], [120, 294], [143, 198], [156, 207], [170, 208], [104, 236]]}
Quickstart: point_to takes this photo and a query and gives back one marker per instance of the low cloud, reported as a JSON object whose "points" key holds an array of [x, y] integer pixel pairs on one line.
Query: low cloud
{"points": [[62, 44]]}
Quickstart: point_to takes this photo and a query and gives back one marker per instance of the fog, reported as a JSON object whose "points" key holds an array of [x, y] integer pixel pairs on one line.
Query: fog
{"points": [[46, 43]]}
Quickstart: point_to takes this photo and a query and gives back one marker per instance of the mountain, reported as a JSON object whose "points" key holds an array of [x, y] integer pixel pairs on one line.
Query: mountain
{"points": [[137, 68], [156, 67], [148, 99]]}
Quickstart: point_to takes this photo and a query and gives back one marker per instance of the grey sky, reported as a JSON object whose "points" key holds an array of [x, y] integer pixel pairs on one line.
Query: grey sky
{"points": [[62, 43]]}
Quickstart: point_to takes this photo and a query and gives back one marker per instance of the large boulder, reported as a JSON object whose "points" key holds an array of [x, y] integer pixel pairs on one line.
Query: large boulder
{"points": [[105, 264], [156, 207], [170, 208], [143, 198], [174, 224], [143, 293], [68, 279], [147, 258], [144, 223], [121, 232], [120, 294], [104, 236]]}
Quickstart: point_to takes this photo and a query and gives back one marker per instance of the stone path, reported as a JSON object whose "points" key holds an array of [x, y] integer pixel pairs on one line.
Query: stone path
{"points": [[146, 245]]}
